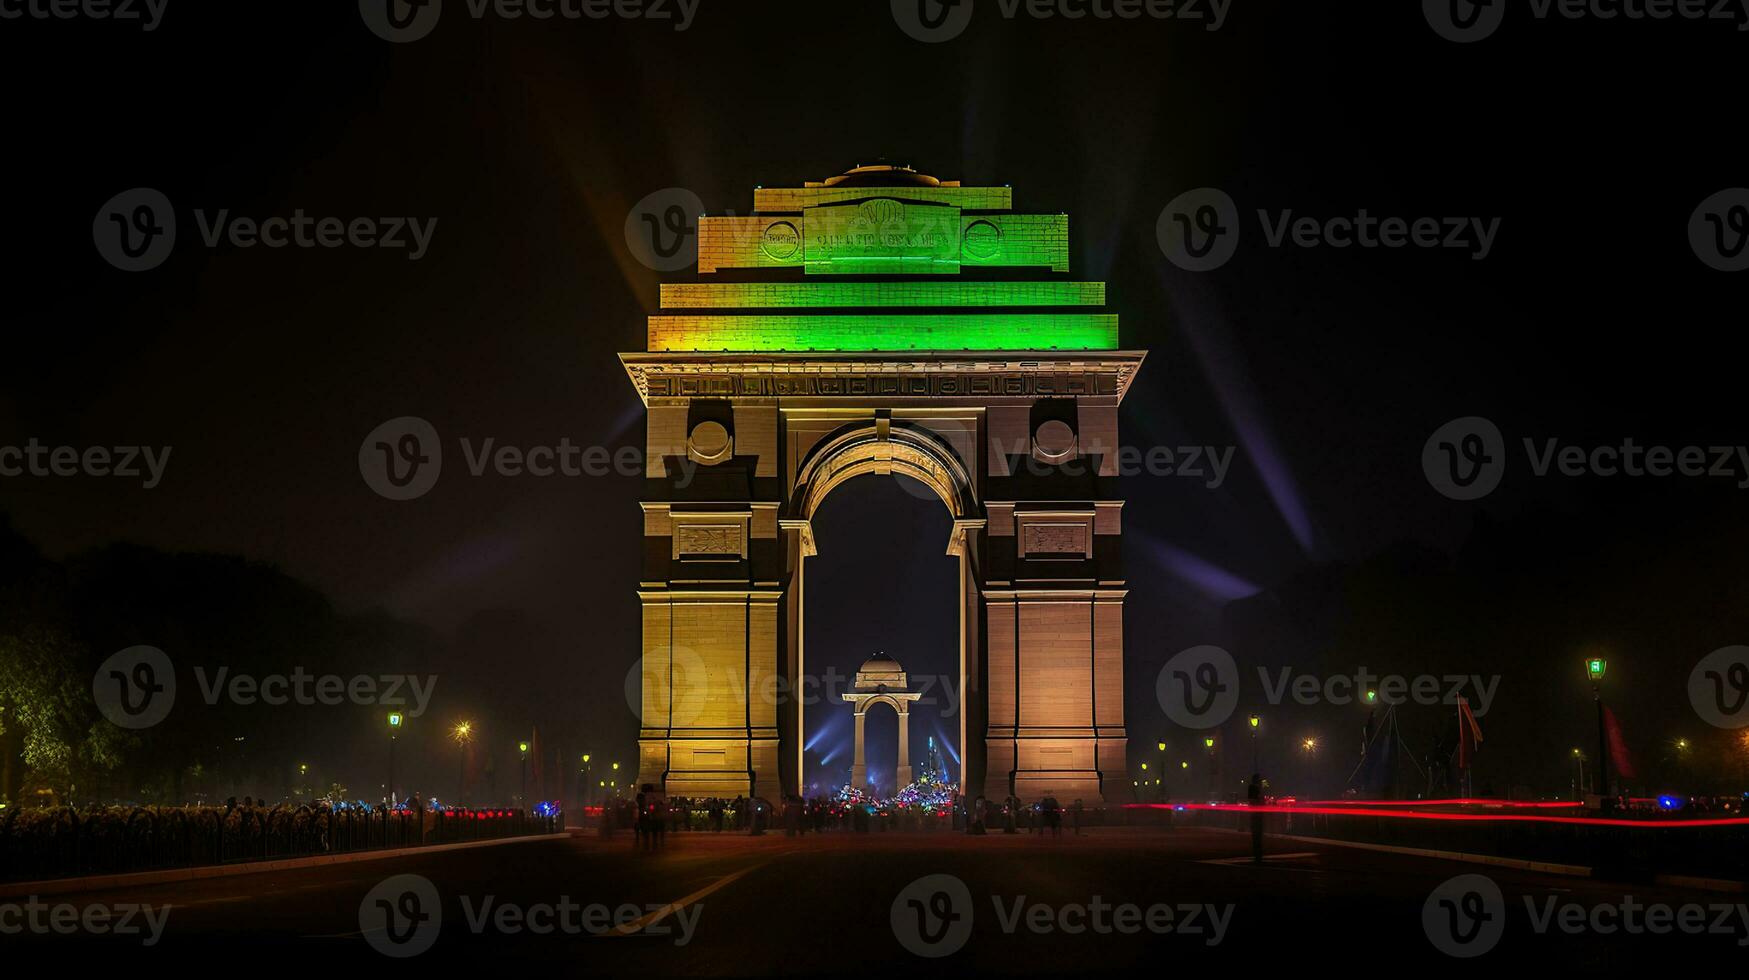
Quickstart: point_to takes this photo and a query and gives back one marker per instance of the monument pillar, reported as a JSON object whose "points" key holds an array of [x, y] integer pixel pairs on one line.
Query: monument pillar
{"points": [[903, 776], [859, 763]]}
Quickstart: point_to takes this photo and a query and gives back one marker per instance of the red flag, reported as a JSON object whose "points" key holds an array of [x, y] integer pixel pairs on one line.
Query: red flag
{"points": [[1469, 734], [1618, 746]]}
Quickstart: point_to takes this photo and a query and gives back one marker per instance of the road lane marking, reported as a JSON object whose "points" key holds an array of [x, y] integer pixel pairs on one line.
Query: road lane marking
{"points": [[644, 922], [1247, 859]]}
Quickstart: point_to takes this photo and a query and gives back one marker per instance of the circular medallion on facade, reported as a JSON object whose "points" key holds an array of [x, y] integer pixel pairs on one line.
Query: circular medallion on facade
{"points": [[983, 240], [709, 442], [780, 240], [1054, 440]]}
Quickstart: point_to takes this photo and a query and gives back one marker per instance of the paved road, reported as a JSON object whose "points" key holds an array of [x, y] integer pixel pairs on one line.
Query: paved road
{"points": [[826, 903]]}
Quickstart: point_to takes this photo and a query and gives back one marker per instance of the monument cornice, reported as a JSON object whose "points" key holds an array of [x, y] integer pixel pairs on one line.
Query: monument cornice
{"points": [[972, 376]]}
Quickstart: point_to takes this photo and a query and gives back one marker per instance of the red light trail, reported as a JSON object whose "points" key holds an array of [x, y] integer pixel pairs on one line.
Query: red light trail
{"points": [[1369, 810]]}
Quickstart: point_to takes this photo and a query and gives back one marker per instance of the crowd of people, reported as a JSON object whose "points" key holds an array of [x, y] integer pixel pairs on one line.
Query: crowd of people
{"points": [[652, 815]]}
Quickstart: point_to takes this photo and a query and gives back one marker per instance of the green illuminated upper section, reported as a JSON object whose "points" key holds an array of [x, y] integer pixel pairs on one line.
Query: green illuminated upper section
{"points": [[865, 332], [841, 293], [880, 252]]}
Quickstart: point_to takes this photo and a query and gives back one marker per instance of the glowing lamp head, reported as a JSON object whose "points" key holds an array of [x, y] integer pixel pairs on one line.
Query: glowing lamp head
{"points": [[1372, 697], [1254, 722], [395, 719], [522, 747], [1595, 667], [1208, 742], [1162, 746], [585, 757], [1184, 765]]}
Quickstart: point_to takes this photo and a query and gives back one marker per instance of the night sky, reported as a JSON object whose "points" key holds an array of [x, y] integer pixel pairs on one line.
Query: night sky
{"points": [[1591, 319]]}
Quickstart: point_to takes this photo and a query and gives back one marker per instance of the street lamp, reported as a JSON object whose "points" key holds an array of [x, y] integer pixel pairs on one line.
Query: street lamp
{"points": [[1594, 669], [586, 774], [462, 734], [1214, 776], [1255, 722], [522, 747], [395, 720], [1579, 788]]}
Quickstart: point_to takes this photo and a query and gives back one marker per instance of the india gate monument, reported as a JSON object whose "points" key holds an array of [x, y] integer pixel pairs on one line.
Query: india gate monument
{"points": [[875, 323]]}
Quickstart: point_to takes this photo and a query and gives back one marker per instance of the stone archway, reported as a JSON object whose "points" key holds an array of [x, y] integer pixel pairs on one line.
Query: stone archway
{"points": [[881, 681], [763, 396]]}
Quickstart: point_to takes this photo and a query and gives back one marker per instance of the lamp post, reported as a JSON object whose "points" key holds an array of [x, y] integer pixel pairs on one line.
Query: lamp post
{"points": [[1161, 746], [522, 749], [463, 736], [586, 786], [1579, 787], [1214, 778], [1255, 722], [1594, 669], [395, 721]]}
